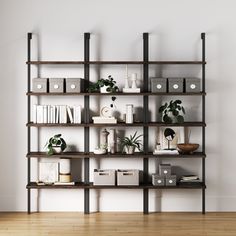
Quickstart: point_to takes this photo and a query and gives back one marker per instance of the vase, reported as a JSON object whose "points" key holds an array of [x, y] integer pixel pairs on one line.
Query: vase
{"points": [[129, 119], [130, 149], [57, 150], [103, 89]]}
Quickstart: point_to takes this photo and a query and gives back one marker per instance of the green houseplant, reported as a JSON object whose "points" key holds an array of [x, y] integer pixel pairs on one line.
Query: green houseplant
{"points": [[55, 144], [130, 143], [172, 112], [104, 86]]}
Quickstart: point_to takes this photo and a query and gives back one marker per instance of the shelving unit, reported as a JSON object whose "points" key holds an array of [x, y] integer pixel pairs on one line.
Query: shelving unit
{"points": [[145, 155]]}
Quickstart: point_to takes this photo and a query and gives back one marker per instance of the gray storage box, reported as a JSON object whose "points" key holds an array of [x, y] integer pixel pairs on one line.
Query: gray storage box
{"points": [[192, 85], [128, 177], [73, 85], [171, 180], [158, 85], [176, 85], [158, 180], [56, 85], [104, 177], [165, 169], [40, 85]]}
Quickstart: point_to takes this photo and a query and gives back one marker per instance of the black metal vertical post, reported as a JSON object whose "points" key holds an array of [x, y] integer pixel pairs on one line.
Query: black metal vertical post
{"points": [[145, 121], [86, 120], [29, 37], [203, 120]]}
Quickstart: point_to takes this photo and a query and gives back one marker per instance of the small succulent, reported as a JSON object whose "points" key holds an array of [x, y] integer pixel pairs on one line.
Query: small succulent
{"points": [[171, 113]]}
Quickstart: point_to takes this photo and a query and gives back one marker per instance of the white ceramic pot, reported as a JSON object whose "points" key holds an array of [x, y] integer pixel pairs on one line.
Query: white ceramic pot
{"points": [[57, 150], [103, 89], [129, 149]]}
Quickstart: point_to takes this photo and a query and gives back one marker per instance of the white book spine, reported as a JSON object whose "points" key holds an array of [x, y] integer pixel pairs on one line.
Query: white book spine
{"points": [[63, 115], [57, 114], [53, 114], [39, 114], [49, 114], [45, 114], [77, 114], [70, 114], [34, 115]]}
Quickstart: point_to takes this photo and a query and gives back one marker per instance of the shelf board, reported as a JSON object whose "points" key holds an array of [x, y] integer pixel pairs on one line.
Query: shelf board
{"points": [[116, 94], [33, 185], [120, 124], [115, 62], [79, 155]]}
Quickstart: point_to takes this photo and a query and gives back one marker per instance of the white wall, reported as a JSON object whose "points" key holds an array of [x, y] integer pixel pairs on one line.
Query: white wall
{"points": [[116, 28]]}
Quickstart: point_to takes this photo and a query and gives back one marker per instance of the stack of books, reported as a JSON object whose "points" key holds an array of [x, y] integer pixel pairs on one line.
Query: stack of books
{"points": [[53, 114], [189, 179], [165, 152]]}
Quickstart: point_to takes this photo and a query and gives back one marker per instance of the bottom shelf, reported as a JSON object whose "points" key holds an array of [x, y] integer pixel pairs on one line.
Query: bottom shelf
{"points": [[34, 185]]}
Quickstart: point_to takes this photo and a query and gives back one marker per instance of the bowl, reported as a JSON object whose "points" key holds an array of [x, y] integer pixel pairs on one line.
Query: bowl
{"points": [[187, 148]]}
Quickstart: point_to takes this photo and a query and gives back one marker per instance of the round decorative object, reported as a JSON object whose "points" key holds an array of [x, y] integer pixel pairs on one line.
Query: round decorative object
{"points": [[187, 148], [106, 112], [39, 86], [170, 181], [56, 86], [165, 171], [72, 86], [159, 181], [175, 86], [192, 86], [159, 86]]}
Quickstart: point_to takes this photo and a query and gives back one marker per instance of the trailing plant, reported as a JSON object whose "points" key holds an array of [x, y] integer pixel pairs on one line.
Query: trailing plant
{"points": [[131, 141], [55, 141], [172, 112], [110, 82]]}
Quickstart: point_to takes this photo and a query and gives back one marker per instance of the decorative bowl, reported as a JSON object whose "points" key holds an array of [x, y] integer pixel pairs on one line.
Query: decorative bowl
{"points": [[187, 148]]}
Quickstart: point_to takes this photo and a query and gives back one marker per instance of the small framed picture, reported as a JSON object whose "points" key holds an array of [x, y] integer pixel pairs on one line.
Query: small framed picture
{"points": [[48, 172]]}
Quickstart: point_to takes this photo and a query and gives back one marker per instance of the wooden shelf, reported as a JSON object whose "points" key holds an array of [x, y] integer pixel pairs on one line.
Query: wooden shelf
{"points": [[34, 185], [114, 62], [120, 124], [116, 94], [81, 155]]}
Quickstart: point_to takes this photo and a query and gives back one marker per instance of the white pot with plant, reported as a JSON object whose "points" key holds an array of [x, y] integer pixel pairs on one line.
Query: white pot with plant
{"points": [[172, 112], [129, 144], [104, 86], [55, 145]]}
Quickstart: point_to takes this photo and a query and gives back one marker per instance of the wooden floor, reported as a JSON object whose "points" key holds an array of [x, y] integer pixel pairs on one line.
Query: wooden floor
{"points": [[122, 224]]}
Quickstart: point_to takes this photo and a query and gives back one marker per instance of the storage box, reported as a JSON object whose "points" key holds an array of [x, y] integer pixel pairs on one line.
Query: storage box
{"points": [[176, 85], [192, 85], [158, 85], [165, 169], [128, 177], [73, 85], [158, 180], [56, 85], [171, 180], [104, 177], [40, 85]]}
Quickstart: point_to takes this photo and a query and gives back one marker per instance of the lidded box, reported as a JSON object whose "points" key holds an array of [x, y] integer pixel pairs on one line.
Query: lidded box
{"points": [[56, 85], [158, 180], [176, 85], [165, 169], [128, 177], [158, 85], [40, 85], [170, 180], [104, 177], [192, 85], [73, 85]]}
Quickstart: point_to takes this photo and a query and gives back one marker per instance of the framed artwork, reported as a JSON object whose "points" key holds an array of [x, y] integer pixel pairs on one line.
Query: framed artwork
{"points": [[48, 172], [176, 135]]}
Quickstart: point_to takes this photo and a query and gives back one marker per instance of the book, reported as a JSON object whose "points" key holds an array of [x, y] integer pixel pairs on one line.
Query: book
{"points": [[165, 152], [45, 114], [49, 114], [63, 114], [66, 183], [70, 114], [104, 120], [57, 114], [77, 114]]}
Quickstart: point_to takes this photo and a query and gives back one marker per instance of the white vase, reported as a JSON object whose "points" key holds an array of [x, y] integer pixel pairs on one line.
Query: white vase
{"points": [[129, 149], [103, 89], [129, 119], [57, 150]]}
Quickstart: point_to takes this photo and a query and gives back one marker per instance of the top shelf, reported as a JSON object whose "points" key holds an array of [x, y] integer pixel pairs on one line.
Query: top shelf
{"points": [[115, 62]]}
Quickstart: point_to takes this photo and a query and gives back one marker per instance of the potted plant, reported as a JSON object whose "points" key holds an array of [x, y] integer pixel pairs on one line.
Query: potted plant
{"points": [[130, 143], [172, 112], [104, 86], [55, 144]]}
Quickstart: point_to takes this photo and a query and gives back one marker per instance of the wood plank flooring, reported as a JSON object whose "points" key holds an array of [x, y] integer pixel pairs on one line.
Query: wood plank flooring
{"points": [[122, 224]]}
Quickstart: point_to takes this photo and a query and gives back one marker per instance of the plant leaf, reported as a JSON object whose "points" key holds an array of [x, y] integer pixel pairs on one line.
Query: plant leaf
{"points": [[180, 119]]}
